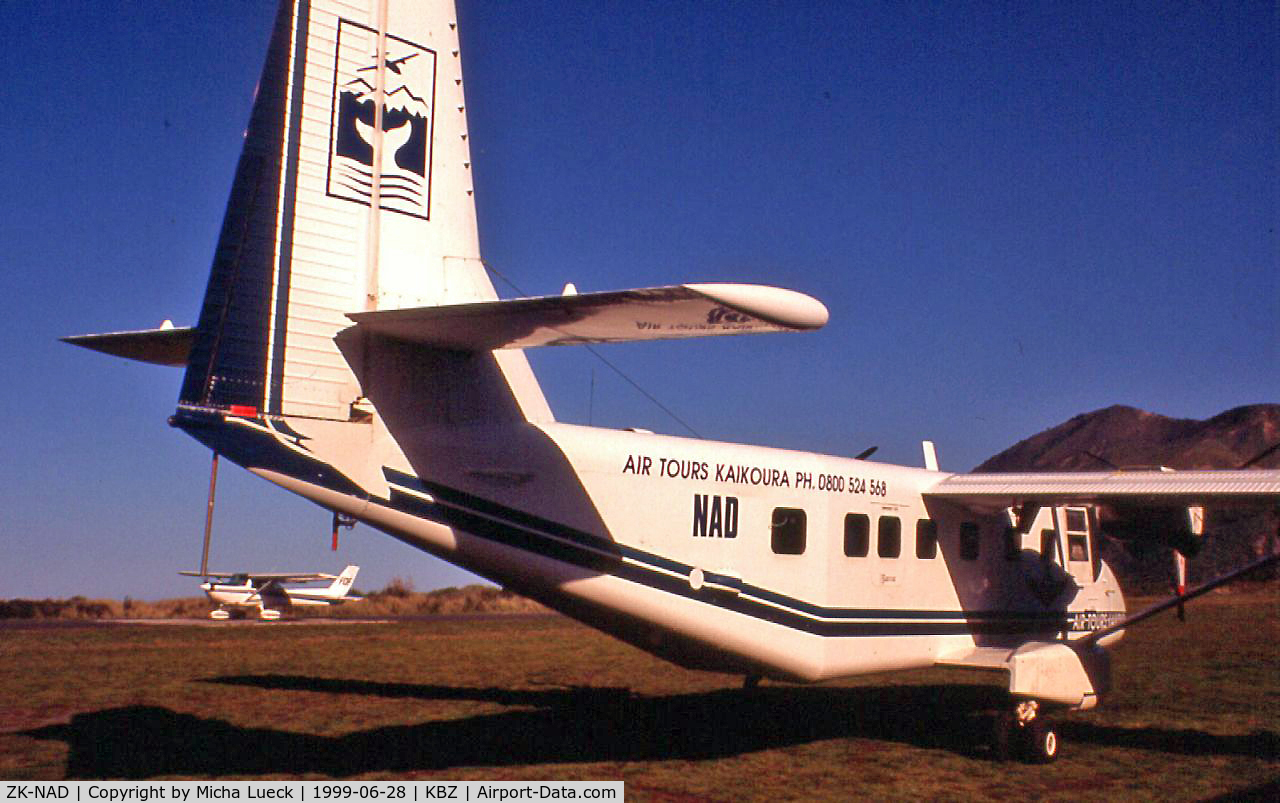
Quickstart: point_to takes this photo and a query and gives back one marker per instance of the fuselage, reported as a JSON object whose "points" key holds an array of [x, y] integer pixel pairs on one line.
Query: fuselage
{"points": [[232, 594], [715, 555], [250, 596]]}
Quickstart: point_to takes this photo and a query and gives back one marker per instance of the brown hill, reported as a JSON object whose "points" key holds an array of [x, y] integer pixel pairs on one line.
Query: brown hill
{"points": [[1128, 437]]}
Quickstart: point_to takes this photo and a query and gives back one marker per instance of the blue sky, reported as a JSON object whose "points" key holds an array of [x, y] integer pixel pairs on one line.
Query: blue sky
{"points": [[1015, 213]]}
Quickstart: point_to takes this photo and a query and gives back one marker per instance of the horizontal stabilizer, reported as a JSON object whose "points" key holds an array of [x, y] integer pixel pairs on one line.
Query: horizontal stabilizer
{"points": [[164, 346], [655, 313]]}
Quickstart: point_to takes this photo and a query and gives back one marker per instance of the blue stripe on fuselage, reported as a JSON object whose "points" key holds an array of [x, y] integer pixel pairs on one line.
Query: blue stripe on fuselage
{"points": [[521, 530]]}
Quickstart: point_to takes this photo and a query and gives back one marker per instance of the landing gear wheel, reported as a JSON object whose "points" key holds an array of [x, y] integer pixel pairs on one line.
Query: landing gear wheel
{"points": [[1022, 732], [1004, 729], [1039, 741]]}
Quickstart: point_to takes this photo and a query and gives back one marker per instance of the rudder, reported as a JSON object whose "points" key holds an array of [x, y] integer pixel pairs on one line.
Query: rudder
{"points": [[342, 585]]}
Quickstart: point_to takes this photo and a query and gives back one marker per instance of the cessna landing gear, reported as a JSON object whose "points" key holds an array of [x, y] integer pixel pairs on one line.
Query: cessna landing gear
{"points": [[1025, 734]]}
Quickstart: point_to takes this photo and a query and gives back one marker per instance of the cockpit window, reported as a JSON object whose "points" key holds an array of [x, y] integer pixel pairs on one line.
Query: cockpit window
{"points": [[1048, 545], [970, 541], [926, 539], [1077, 534], [1077, 521]]}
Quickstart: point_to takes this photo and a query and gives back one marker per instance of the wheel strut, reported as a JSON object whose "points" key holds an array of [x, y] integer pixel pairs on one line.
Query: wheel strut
{"points": [[1024, 732]]}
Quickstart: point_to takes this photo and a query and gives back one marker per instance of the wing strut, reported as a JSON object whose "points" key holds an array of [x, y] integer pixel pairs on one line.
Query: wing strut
{"points": [[208, 518], [1177, 600]]}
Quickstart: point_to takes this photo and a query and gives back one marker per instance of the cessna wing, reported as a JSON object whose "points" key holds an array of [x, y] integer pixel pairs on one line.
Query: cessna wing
{"points": [[278, 577]]}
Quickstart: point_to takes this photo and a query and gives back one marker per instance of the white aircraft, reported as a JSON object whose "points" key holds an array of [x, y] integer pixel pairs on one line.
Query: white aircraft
{"points": [[238, 594], [352, 350]]}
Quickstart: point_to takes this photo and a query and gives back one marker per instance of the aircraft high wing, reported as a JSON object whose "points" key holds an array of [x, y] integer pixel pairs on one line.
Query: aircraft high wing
{"points": [[1160, 506], [1248, 487]]}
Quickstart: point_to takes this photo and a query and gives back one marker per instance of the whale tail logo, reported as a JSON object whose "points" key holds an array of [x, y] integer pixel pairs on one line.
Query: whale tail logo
{"points": [[409, 85], [302, 243]]}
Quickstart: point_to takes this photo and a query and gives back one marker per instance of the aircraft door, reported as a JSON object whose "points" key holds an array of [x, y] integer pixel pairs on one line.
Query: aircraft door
{"points": [[1076, 543]]}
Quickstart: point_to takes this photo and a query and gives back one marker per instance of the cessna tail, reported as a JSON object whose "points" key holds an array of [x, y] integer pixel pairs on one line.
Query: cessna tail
{"points": [[351, 349], [338, 590]]}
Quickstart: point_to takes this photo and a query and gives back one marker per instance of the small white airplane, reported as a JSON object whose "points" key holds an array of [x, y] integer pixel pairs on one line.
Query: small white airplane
{"points": [[239, 594], [351, 349]]}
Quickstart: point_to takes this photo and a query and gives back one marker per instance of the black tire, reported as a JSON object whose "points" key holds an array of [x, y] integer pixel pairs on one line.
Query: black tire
{"points": [[1004, 730], [1040, 743]]}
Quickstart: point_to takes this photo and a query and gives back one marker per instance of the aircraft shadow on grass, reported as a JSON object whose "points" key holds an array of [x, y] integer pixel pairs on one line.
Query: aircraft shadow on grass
{"points": [[568, 725]]}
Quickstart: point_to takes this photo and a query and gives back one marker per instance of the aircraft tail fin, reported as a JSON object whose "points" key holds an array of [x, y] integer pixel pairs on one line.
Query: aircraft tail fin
{"points": [[342, 585], [352, 193]]}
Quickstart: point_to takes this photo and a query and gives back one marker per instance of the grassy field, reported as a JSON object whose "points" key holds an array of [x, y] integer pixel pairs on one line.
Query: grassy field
{"points": [[1195, 713]]}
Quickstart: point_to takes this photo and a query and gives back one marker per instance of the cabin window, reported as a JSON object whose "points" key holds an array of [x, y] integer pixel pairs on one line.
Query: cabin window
{"points": [[889, 537], [1048, 545], [857, 535], [970, 543], [926, 539], [787, 531], [1012, 543]]}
